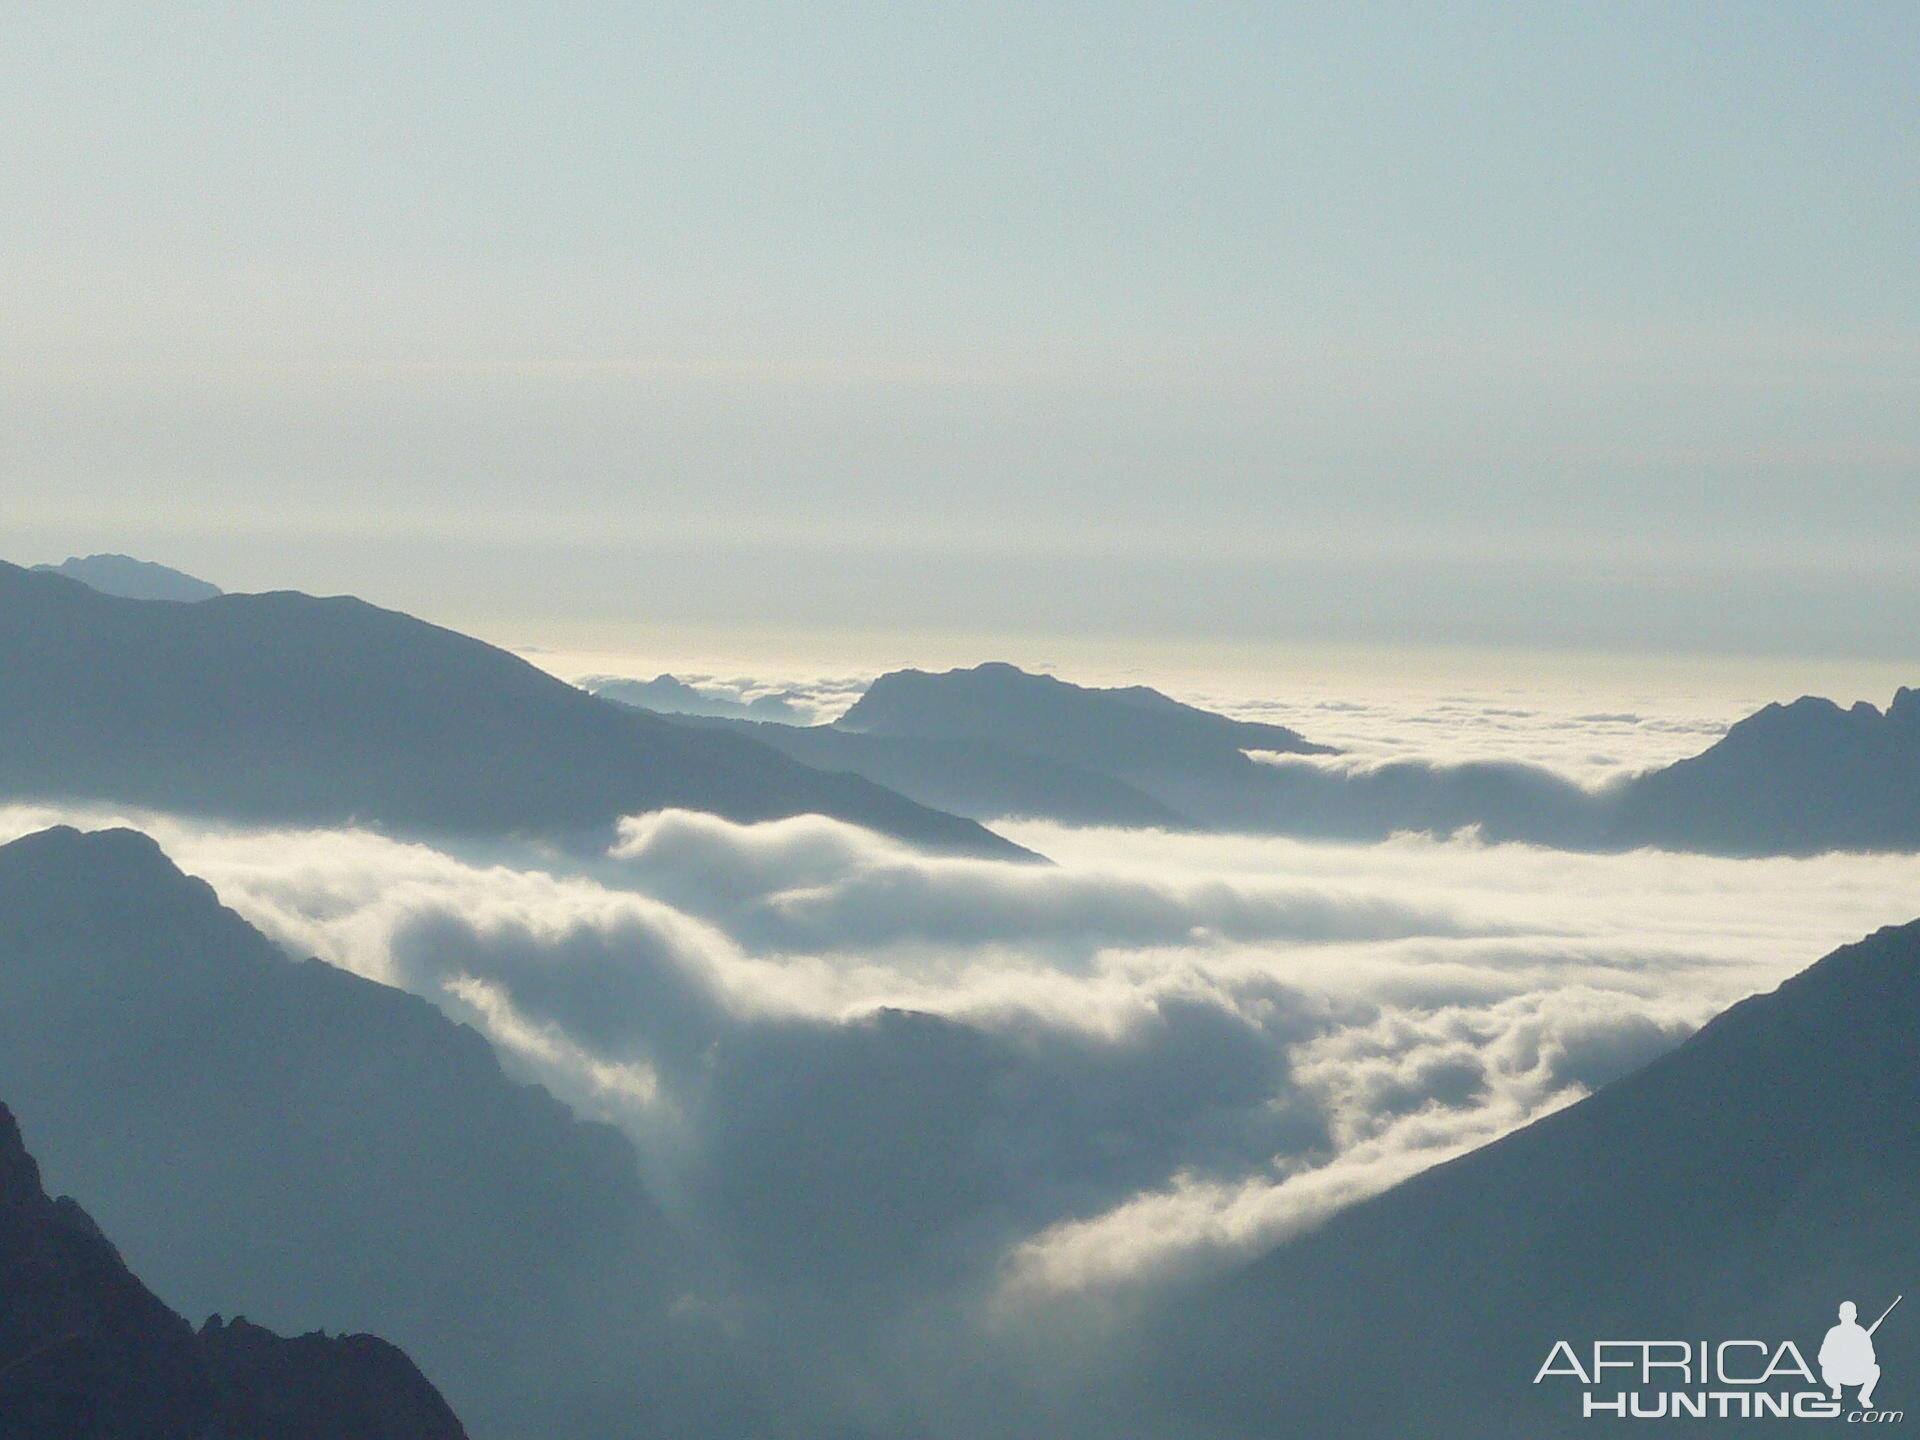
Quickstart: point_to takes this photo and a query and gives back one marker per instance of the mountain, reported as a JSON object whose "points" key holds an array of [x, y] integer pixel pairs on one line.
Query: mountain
{"points": [[321, 1387], [1110, 730], [996, 741], [132, 579], [1789, 779], [977, 778], [1739, 1187], [290, 709], [87, 1350], [667, 695], [315, 1149]]}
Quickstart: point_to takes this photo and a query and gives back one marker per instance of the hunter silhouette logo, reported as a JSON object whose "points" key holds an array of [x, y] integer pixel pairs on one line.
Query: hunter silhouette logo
{"points": [[1728, 1379], [1847, 1356]]}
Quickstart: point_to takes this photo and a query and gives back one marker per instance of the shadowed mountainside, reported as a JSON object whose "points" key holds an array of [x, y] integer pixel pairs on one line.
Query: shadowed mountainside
{"points": [[1792, 779], [87, 1351], [286, 708], [1740, 1186], [977, 778], [287, 1139]]}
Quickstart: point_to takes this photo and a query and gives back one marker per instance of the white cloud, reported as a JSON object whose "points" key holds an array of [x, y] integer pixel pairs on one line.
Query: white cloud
{"points": [[1164, 1050], [1406, 1091]]}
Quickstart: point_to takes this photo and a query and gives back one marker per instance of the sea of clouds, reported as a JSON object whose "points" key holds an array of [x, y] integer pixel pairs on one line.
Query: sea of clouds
{"points": [[846, 1064]]}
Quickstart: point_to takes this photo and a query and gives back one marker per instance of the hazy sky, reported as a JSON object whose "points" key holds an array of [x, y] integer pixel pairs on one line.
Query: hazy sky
{"points": [[1581, 324]]}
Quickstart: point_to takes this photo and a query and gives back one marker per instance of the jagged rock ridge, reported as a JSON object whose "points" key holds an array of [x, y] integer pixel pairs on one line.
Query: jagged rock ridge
{"points": [[86, 1350]]}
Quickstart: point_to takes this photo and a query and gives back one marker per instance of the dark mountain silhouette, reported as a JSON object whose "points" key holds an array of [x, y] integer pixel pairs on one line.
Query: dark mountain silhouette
{"points": [[1739, 1187], [286, 708], [1789, 779], [315, 1149], [132, 579], [668, 695], [318, 1386], [87, 1351]]}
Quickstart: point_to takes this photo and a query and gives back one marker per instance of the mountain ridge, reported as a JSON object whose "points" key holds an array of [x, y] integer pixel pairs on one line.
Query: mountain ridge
{"points": [[283, 707]]}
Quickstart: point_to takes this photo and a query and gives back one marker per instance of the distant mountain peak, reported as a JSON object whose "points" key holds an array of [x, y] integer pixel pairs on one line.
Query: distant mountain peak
{"points": [[116, 844], [132, 579], [19, 1171], [1797, 778], [999, 699], [1820, 711]]}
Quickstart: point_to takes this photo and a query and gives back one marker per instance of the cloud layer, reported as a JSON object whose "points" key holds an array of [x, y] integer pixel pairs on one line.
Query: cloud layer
{"points": [[842, 1060]]}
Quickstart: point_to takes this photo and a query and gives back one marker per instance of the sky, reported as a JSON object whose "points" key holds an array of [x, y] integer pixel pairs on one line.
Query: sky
{"points": [[1583, 326]]}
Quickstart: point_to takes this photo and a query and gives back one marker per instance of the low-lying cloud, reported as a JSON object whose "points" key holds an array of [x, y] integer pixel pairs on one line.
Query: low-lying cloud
{"points": [[848, 1064]]}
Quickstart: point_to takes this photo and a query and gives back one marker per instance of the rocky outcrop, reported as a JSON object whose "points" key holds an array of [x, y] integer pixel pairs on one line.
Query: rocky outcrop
{"points": [[319, 1387], [88, 1353]]}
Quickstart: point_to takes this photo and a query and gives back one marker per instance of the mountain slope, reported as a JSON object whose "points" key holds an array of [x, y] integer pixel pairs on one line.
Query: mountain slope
{"points": [[1043, 747], [1740, 1186], [87, 1350], [286, 1139], [286, 708], [977, 778], [1789, 779]]}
